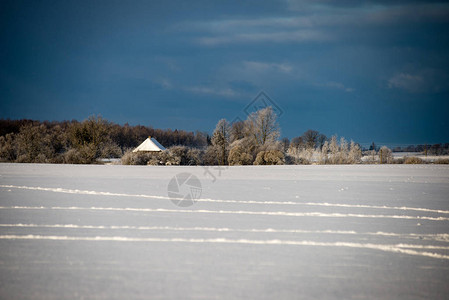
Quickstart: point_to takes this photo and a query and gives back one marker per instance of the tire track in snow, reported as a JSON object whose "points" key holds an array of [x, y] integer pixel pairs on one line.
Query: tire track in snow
{"points": [[242, 212], [87, 192], [443, 237], [398, 248]]}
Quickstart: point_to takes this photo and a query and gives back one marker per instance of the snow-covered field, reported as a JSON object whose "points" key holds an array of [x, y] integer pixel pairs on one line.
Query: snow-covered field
{"points": [[283, 232]]}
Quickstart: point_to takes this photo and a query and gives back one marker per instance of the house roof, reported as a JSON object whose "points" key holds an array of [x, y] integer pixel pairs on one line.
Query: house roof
{"points": [[149, 145]]}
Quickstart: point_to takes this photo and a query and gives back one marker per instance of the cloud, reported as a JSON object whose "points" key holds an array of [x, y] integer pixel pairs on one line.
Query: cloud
{"points": [[420, 81], [375, 11], [335, 85], [339, 86], [316, 21], [416, 12], [223, 92], [169, 63], [258, 66], [405, 81], [257, 74], [164, 83], [245, 78], [271, 37]]}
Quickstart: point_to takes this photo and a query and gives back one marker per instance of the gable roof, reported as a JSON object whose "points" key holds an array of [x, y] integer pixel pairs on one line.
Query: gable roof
{"points": [[149, 145]]}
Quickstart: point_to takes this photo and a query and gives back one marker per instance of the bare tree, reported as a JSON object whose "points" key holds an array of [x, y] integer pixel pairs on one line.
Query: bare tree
{"points": [[321, 140], [285, 143], [310, 138], [297, 142], [237, 131]]}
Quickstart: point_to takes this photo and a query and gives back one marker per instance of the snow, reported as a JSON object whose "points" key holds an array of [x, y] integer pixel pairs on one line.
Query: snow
{"points": [[328, 232]]}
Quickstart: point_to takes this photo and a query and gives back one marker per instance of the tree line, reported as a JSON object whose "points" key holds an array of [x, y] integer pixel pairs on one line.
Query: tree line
{"points": [[254, 141], [29, 141], [431, 149]]}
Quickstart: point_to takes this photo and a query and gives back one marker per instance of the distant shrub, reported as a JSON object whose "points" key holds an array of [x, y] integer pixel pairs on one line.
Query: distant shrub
{"points": [[138, 158], [238, 156], [210, 156], [413, 160], [177, 155], [299, 156], [289, 160], [398, 161], [40, 158], [84, 155], [370, 157], [195, 157], [270, 157], [301, 161], [126, 158], [111, 150], [73, 157], [174, 156], [443, 161], [184, 156], [58, 159], [8, 147]]}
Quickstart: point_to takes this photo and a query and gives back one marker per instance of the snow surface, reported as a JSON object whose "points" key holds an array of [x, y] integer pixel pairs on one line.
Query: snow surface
{"points": [[285, 232]]}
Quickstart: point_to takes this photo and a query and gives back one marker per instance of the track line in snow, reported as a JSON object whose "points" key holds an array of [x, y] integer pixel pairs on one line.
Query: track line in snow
{"points": [[375, 207], [398, 248], [87, 192], [243, 212], [443, 237]]}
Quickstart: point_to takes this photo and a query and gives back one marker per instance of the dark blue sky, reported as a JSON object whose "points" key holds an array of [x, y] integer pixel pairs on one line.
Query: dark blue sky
{"points": [[366, 70]]}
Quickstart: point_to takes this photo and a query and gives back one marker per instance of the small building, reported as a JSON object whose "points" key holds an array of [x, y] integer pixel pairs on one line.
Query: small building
{"points": [[149, 145]]}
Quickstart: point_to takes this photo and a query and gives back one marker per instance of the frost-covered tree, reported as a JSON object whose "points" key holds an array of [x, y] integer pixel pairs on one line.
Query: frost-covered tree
{"points": [[220, 141], [344, 151], [238, 155], [270, 157], [306, 154], [262, 127], [371, 156], [300, 156], [355, 153], [334, 149], [385, 155], [324, 153]]}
